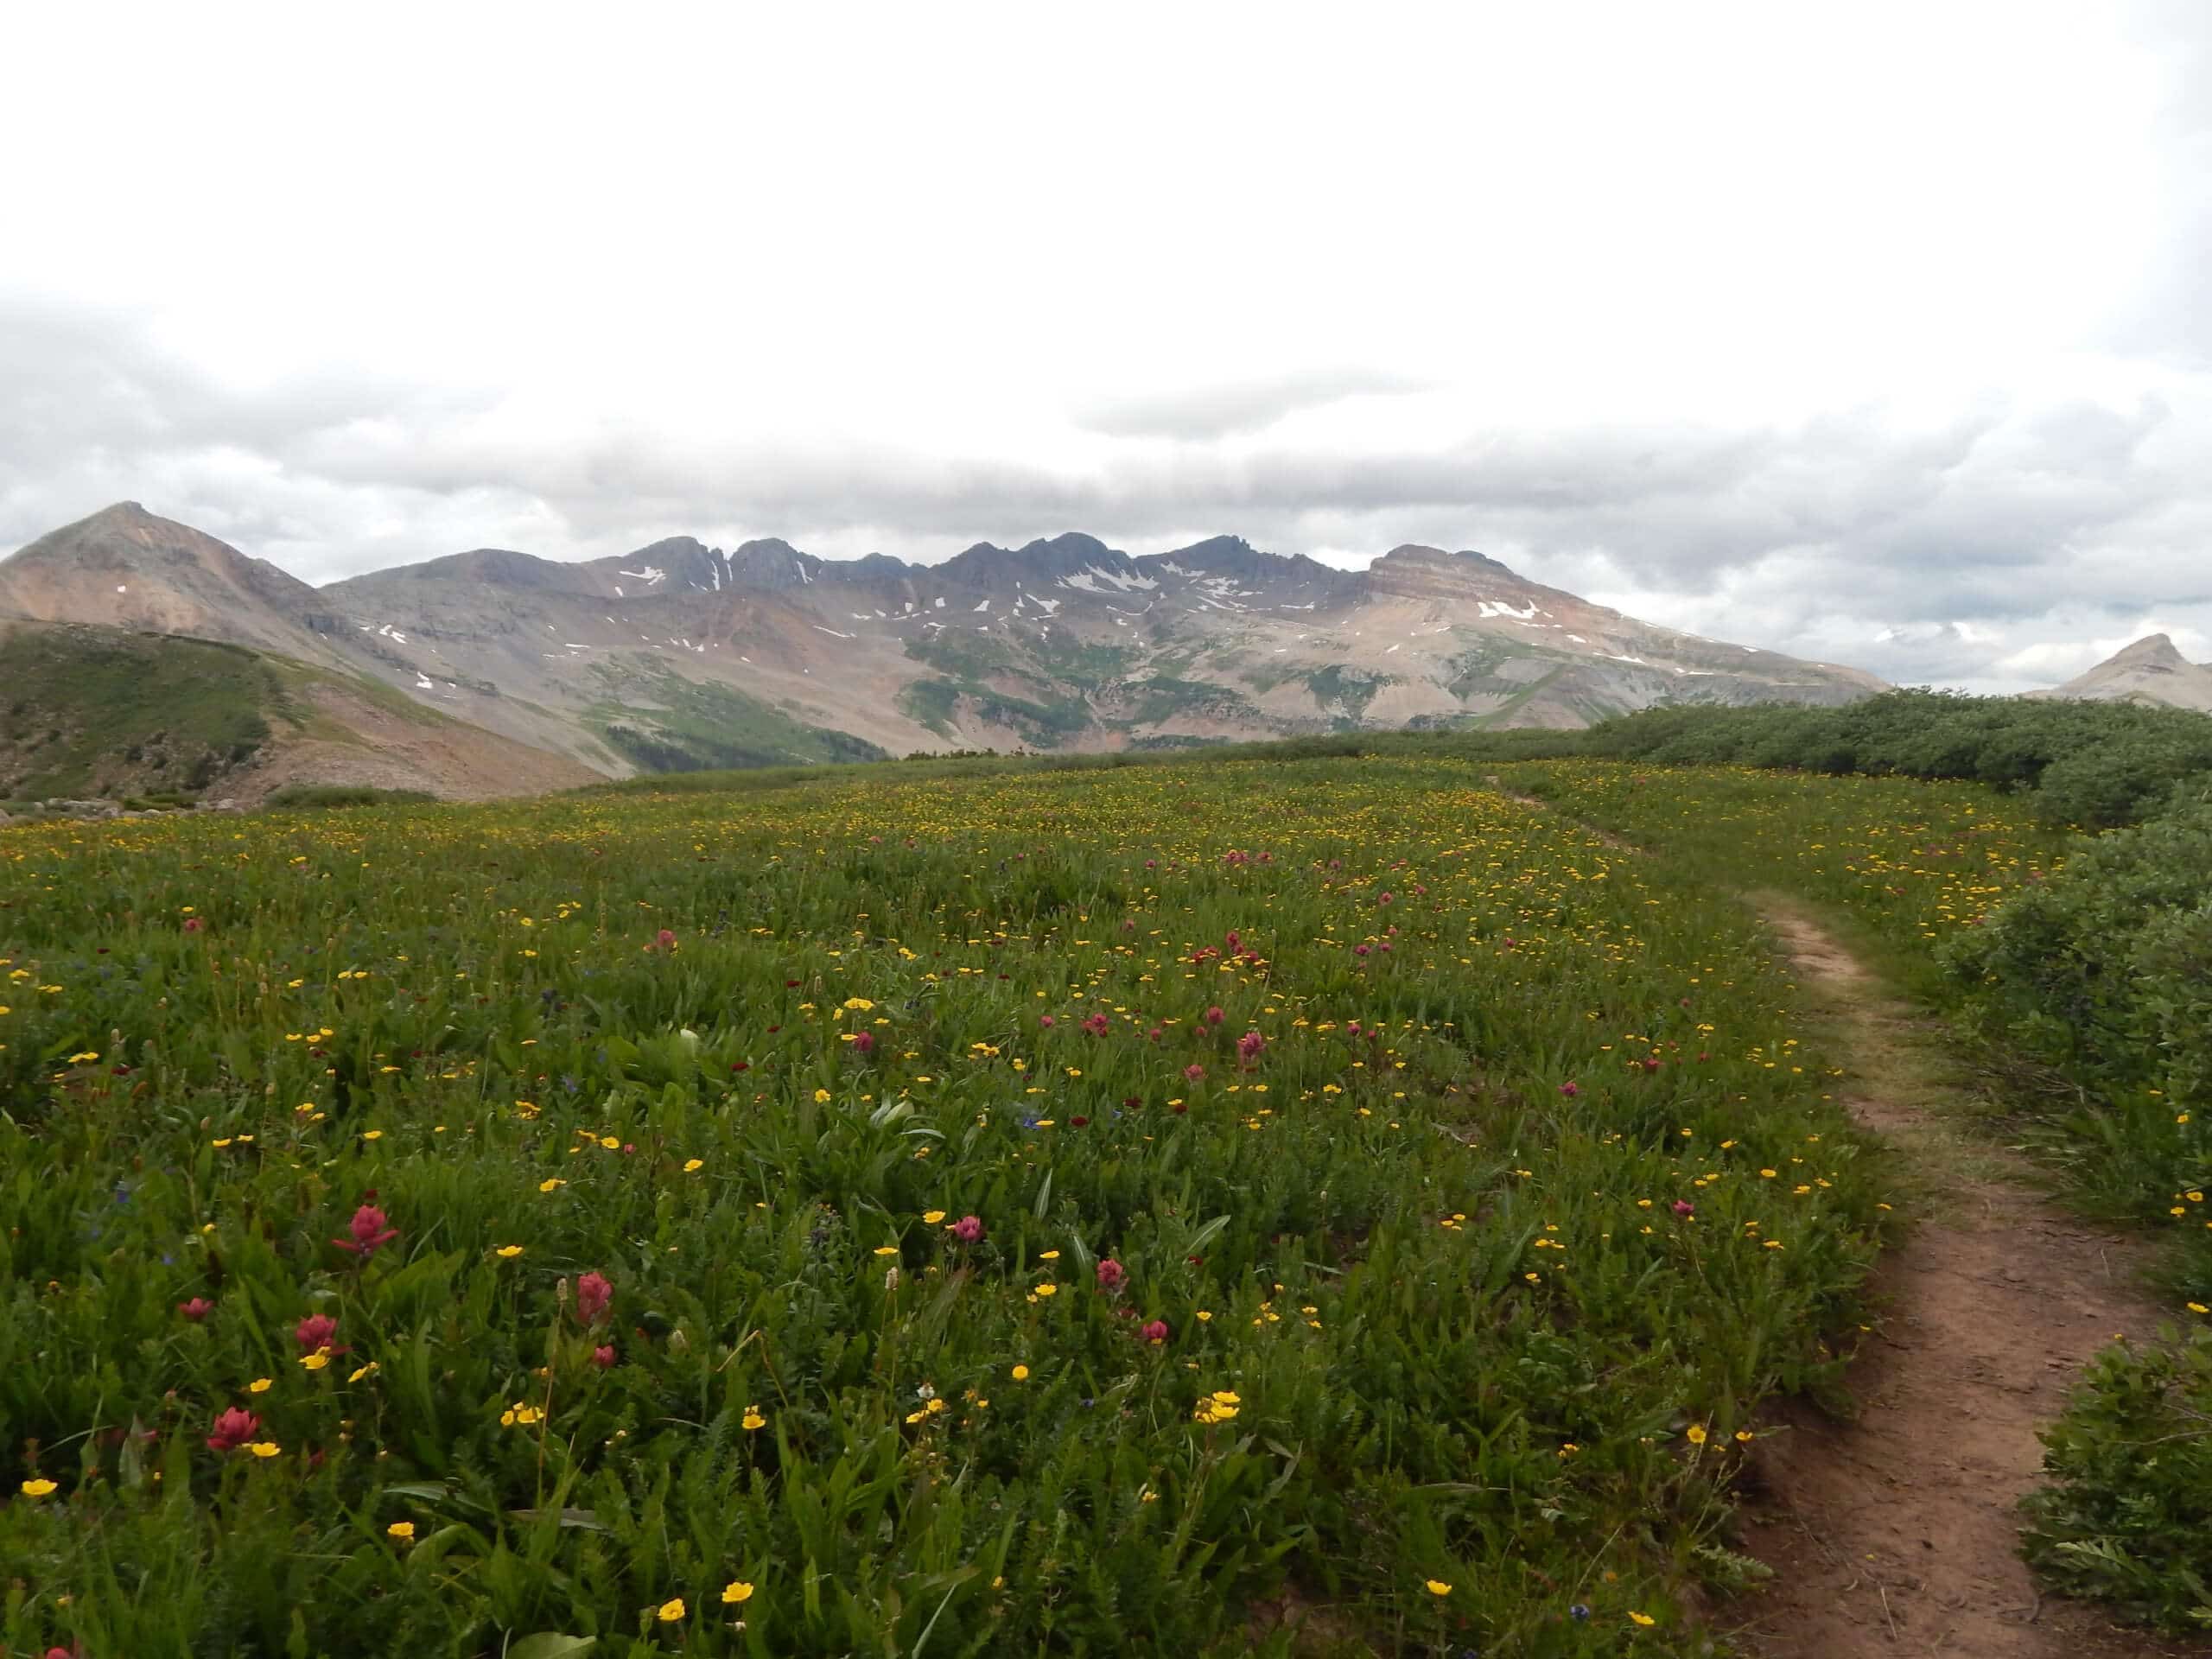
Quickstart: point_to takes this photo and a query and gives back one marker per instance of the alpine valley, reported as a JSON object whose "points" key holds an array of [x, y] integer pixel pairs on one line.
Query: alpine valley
{"points": [[514, 672]]}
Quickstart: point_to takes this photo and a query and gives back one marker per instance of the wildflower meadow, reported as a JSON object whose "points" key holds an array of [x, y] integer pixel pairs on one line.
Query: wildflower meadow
{"points": [[1306, 1206]]}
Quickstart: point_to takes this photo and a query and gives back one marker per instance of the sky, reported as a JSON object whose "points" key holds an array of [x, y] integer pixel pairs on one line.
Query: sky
{"points": [[1875, 335]]}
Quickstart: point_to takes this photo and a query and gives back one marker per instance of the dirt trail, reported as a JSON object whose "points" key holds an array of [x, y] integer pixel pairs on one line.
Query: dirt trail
{"points": [[1896, 1534]]}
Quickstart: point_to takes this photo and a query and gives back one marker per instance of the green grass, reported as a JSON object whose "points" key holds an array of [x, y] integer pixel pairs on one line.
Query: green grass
{"points": [[1426, 1309], [1344, 691], [661, 721], [1162, 697], [930, 703], [1083, 664], [85, 709], [964, 656], [223, 1033], [2072, 974]]}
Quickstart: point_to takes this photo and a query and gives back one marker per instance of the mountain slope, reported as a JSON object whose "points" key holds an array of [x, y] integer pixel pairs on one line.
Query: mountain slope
{"points": [[125, 568], [128, 569], [2152, 669], [680, 654], [99, 712], [1064, 643]]}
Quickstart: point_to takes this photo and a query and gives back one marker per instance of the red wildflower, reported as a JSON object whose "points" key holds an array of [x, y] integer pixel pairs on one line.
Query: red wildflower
{"points": [[1078, 1122], [1096, 1025], [1684, 1208], [968, 1230], [1045, 1020], [594, 1297], [1213, 1016], [314, 1331], [603, 1357], [233, 1429], [864, 1043], [197, 1309], [665, 939], [1112, 1275], [1156, 1331], [370, 1233], [1194, 1071], [1249, 1047], [193, 923]]}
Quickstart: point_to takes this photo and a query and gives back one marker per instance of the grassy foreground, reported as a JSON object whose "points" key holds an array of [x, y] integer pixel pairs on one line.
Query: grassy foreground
{"points": [[1088, 1211]]}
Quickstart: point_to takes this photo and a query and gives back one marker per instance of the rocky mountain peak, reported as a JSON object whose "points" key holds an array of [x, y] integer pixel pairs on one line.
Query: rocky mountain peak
{"points": [[1417, 553], [2153, 651], [1043, 561], [2149, 669], [771, 562], [124, 566]]}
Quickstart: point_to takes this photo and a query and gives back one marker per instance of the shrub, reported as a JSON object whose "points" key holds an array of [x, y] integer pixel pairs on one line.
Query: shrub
{"points": [[2100, 972], [2127, 1513], [310, 797]]}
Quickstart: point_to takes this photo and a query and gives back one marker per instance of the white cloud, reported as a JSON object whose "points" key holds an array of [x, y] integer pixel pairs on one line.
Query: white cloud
{"points": [[1871, 335]]}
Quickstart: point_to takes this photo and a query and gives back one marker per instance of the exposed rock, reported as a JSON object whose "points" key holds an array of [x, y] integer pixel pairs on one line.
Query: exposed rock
{"points": [[2152, 670], [1063, 643]]}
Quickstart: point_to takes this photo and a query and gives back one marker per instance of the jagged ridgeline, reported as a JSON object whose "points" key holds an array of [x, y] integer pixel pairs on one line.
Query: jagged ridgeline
{"points": [[683, 657]]}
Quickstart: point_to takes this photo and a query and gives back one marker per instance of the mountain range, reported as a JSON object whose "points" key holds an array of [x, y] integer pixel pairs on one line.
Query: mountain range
{"points": [[680, 656]]}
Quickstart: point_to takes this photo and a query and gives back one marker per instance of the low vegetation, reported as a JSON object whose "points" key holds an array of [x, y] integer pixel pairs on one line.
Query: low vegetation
{"points": [[324, 796], [2084, 984], [1297, 1199], [2090, 766], [1072, 1210], [89, 712], [664, 722]]}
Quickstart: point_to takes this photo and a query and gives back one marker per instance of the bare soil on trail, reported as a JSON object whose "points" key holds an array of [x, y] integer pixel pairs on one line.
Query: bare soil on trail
{"points": [[1895, 1533]]}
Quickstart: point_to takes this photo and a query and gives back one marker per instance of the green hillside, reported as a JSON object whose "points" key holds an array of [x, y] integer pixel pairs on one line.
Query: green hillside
{"points": [[92, 711]]}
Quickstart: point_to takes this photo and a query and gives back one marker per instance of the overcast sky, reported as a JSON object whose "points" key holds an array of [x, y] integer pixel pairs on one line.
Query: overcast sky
{"points": [[1877, 333]]}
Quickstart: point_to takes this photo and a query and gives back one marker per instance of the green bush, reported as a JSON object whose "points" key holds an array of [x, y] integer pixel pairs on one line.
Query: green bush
{"points": [[2091, 765], [2127, 1513], [2100, 972], [307, 798]]}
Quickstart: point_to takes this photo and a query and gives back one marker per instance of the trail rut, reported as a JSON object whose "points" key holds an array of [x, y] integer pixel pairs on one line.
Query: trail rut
{"points": [[1895, 1533]]}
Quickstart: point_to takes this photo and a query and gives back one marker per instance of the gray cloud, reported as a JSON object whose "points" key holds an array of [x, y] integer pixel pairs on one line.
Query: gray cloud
{"points": [[1241, 406], [2007, 534]]}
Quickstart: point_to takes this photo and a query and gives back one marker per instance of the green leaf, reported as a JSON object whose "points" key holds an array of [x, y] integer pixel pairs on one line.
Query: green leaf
{"points": [[550, 1644], [568, 1517]]}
